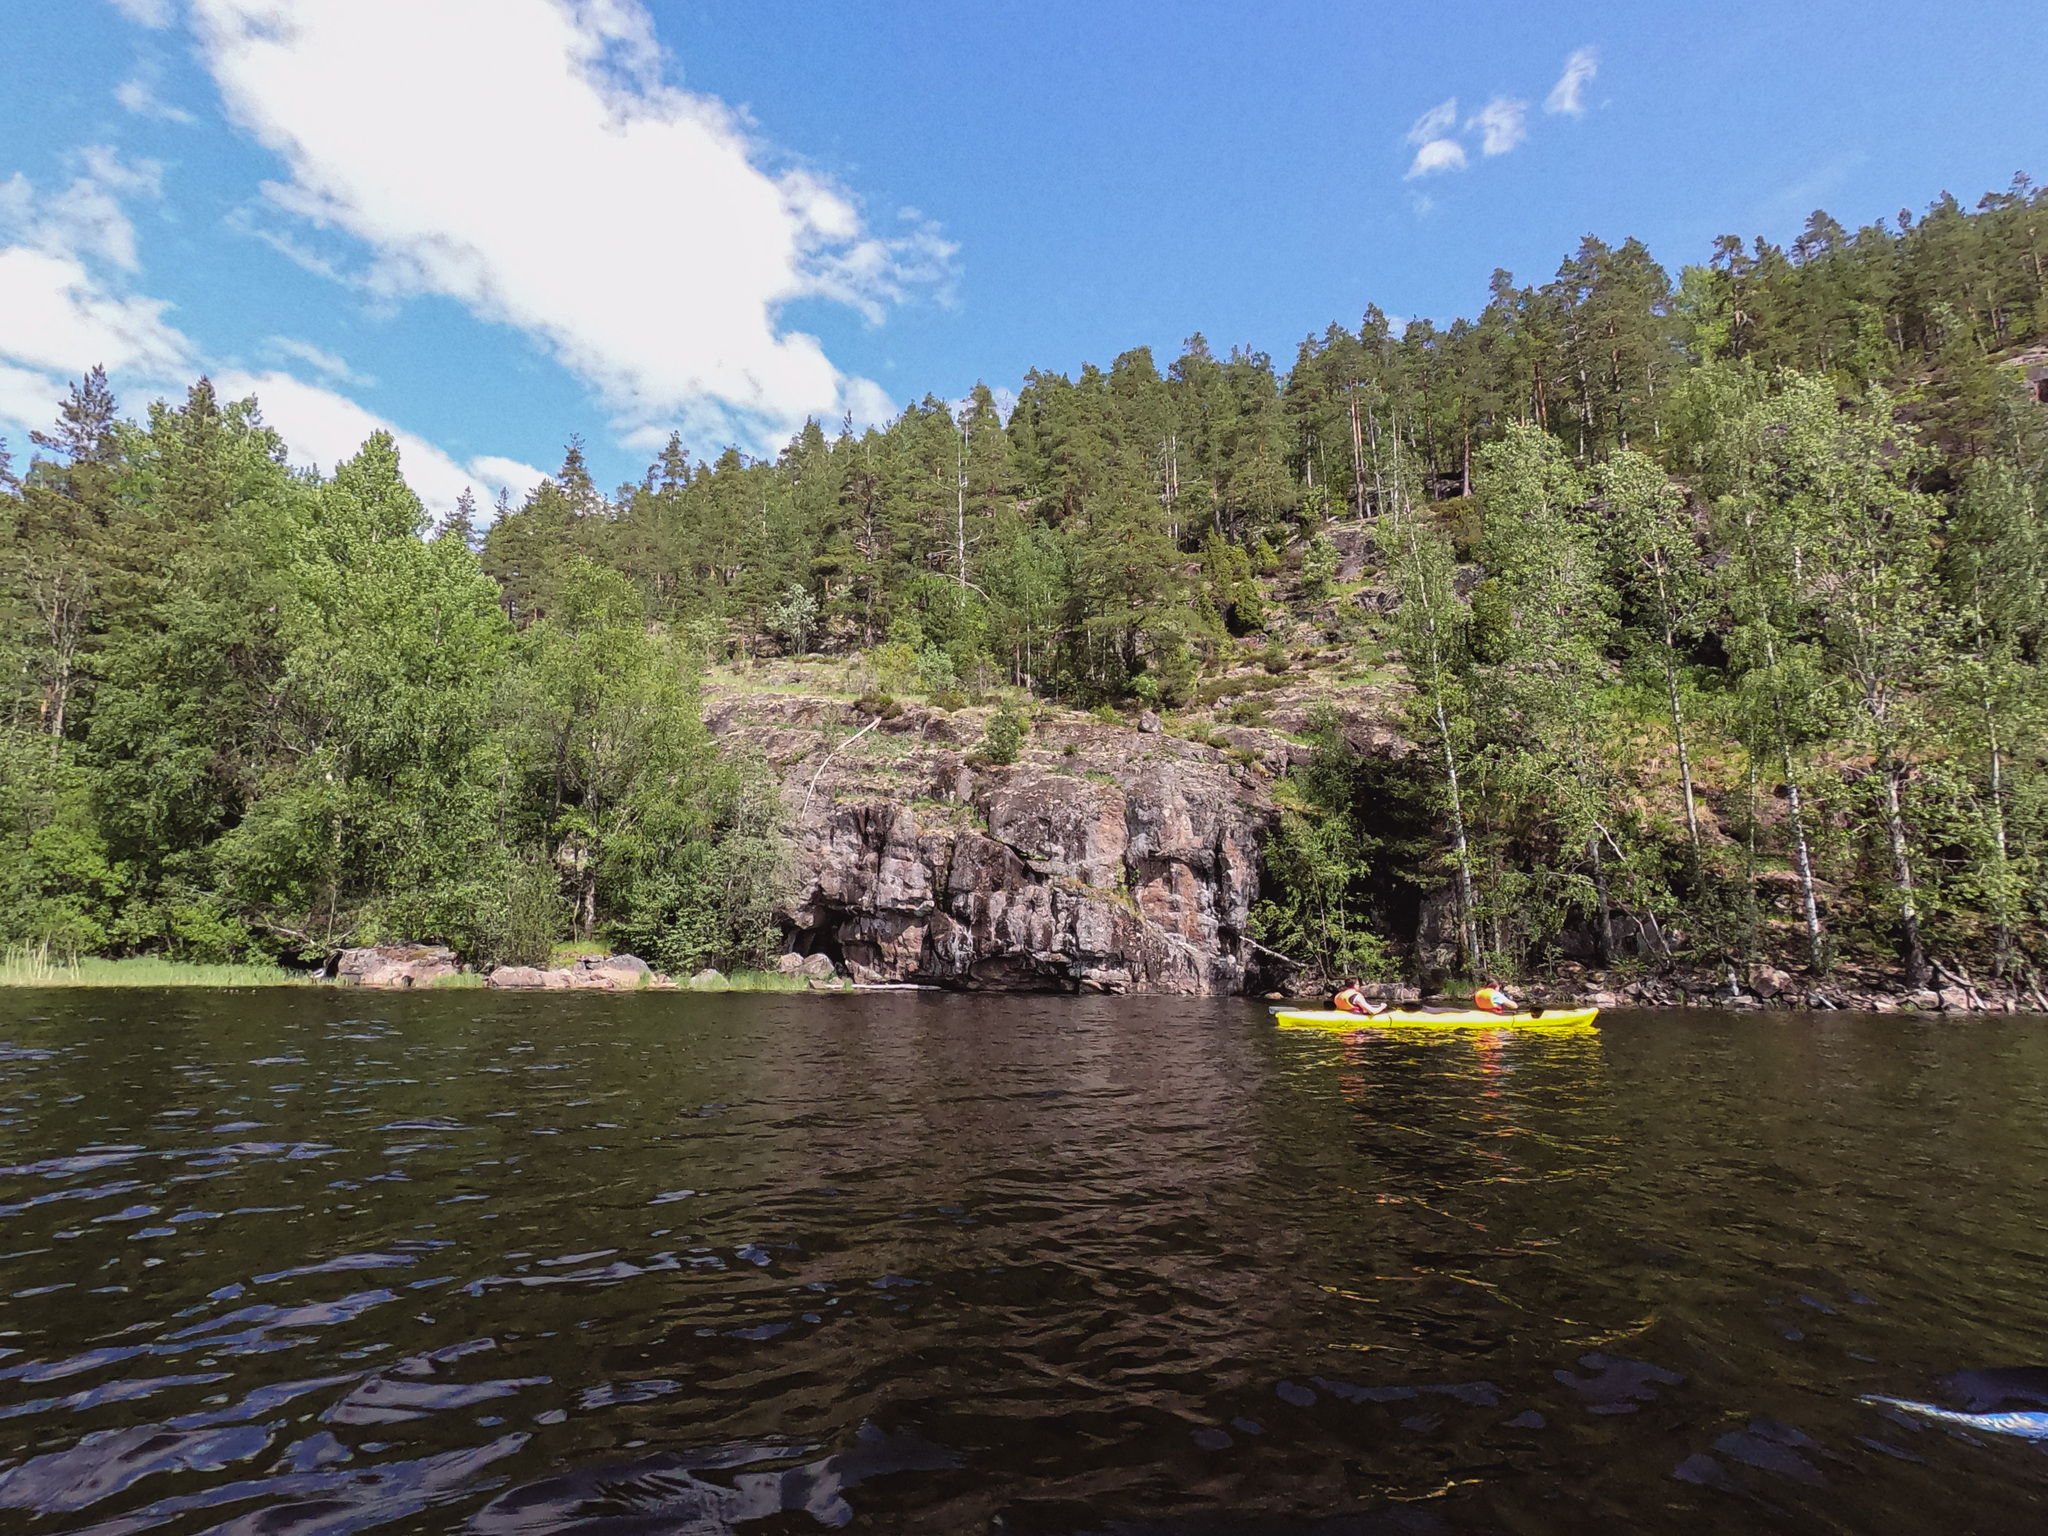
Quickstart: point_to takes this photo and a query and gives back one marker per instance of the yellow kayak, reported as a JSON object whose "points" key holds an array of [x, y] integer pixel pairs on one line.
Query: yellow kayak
{"points": [[1571, 1021]]}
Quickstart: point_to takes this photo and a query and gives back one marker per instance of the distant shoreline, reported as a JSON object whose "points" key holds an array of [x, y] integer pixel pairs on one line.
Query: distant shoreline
{"points": [[22, 971]]}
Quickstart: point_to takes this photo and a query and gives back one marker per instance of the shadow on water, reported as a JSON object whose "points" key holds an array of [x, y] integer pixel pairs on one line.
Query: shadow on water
{"points": [[320, 1263]]}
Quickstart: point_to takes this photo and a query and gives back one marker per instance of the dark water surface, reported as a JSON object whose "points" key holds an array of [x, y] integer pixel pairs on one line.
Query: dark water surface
{"points": [[319, 1262]]}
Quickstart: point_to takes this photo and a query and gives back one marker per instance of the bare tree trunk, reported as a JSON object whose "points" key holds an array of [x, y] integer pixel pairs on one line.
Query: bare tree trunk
{"points": [[1902, 875], [1692, 819], [1816, 942], [1816, 946], [62, 689], [960, 514], [1468, 915], [2002, 954], [1603, 933], [1357, 455]]}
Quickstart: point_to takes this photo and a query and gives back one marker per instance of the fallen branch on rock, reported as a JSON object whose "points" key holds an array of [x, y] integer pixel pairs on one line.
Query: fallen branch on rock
{"points": [[856, 736]]}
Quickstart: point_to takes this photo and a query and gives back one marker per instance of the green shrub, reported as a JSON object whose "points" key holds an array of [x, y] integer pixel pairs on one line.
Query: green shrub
{"points": [[881, 705], [935, 673], [523, 926], [1003, 737], [1319, 564], [895, 665]]}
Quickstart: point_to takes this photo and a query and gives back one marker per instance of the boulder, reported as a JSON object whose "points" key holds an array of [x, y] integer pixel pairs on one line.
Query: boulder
{"points": [[790, 964], [1768, 981], [608, 973], [708, 980], [1148, 723], [818, 967], [517, 977], [396, 965]]}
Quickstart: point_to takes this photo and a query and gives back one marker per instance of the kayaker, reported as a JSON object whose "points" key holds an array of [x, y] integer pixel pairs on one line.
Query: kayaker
{"points": [[1351, 999], [1492, 999]]}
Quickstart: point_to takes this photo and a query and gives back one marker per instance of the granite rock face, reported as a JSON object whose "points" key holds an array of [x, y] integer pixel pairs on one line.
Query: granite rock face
{"points": [[1106, 859], [396, 966], [591, 973]]}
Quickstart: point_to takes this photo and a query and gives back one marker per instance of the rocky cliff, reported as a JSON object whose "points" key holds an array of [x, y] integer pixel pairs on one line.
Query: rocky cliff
{"points": [[1107, 858]]}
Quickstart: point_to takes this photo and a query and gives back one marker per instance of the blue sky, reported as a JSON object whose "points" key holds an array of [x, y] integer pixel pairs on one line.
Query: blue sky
{"points": [[491, 223]]}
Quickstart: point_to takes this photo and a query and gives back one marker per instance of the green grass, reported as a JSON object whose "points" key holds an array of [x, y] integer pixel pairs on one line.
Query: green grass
{"points": [[752, 981], [36, 967], [21, 967]]}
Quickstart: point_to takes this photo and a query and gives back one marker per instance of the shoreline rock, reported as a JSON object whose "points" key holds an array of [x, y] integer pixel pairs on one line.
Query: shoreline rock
{"points": [[591, 973], [396, 967]]}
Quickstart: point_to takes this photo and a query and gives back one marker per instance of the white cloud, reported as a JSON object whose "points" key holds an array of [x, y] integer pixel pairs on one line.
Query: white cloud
{"points": [[1436, 150], [1435, 123], [1568, 95], [86, 217], [326, 363], [139, 96], [59, 318], [509, 475], [525, 158], [1503, 123], [1437, 155], [869, 404], [55, 318], [27, 401], [324, 428], [147, 13]]}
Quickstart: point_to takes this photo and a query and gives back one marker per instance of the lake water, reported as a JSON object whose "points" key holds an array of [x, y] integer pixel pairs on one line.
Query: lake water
{"points": [[319, 1262]]}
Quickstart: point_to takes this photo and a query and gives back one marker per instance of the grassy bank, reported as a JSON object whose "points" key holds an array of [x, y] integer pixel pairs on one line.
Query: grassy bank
{"points": [[20, 967], [38, 968], [752, 981]]}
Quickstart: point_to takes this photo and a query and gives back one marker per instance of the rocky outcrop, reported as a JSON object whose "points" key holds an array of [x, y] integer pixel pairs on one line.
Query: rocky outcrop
{"points": [[396, 966], [1864, 987], [592, 973], [1107, 858]]}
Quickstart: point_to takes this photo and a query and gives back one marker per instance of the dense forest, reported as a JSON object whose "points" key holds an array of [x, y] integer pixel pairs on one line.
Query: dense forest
{"points": [[1715, 608]]}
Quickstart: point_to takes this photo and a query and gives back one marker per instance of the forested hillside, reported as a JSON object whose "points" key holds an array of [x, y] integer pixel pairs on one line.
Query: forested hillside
{"points": [[1713, 611]]}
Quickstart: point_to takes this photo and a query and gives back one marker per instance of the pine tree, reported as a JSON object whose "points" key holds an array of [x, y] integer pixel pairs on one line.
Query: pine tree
{"points": [[460, 524], [59, 544]]}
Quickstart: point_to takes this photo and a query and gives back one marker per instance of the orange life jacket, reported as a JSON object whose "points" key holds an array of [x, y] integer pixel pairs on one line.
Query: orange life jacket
{"points": [[1491, 1000], [1350, 1000]]}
